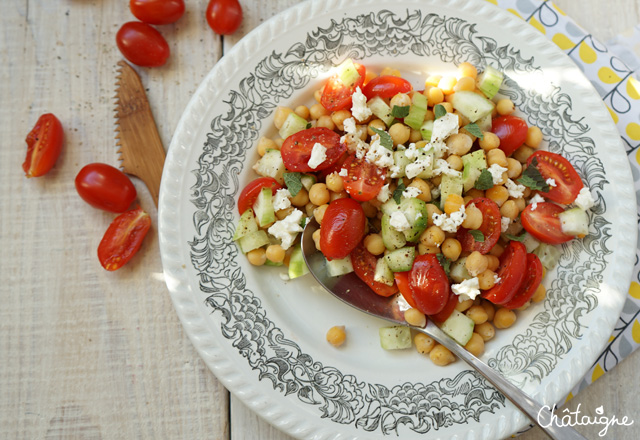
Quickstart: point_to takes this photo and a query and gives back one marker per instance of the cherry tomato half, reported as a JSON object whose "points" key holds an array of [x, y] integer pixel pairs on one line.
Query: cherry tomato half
{"points": [[386, 86], [157, 11], [224, 16], [448, 309], [402, 281], [553, 166], [364, 266], [429, 284], [142, 45], [532, 280], [490, 228], [105, 187], [543, 223], [296, 149], [364, 180], [123, 238], [44, 144], [512, 132], [342, 228], [250, 192], [511, 273], [336, 95]]}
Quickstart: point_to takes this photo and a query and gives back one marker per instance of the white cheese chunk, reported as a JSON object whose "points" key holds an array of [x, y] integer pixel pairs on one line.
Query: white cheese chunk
{"points": [[287, 229], [399, 222], [379, 155], [384, 193], [343, 172], [349, 125], [410, 192], [551, 182], [415, 168], [318, 155], [505, 222], [450, 223], [584, 200], [282, 199], [394, 171], [359, 108], [535, 200], [442, 167], [444, 127], [515, 190], [467, 289], [496, 173]]}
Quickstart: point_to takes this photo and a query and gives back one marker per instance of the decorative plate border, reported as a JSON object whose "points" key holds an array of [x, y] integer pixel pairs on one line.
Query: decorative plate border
{"points": [[343, 398]]}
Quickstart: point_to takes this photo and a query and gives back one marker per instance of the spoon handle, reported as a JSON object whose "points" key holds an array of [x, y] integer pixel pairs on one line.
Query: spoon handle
{"points": [[539, 414]]}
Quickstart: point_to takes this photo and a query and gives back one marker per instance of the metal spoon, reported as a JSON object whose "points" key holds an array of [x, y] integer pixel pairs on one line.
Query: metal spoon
{"points": [[353, 291]]}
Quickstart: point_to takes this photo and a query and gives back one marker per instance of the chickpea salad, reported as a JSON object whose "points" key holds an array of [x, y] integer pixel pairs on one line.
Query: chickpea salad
{"points": [[439, 192]]}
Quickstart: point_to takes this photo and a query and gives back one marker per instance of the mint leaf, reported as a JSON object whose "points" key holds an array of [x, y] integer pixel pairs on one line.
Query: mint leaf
{"points": [[445, 263], [484, 180], [532, 178], [400, 112], [293, 182], [303, 222], [397, 194], [515, 237], [477, 235], [439, 111], [309, 125], [474, 130], [385, 138]]}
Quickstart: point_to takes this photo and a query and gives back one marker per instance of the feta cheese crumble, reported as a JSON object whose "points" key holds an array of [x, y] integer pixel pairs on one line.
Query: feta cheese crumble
{"points": [[496, 278], [467, 289], [584, 200], [343, 172], [444, 127], [515, 190], [415, 168], [551, 182], [410, 192], [450, 223], [496, 173], [318, 155], [535, 200], [281, 199], [505, 222], [359, 108], [349, 126], [287, 229], [442, 167], [384, 194], [379, 155], [399, 222]]}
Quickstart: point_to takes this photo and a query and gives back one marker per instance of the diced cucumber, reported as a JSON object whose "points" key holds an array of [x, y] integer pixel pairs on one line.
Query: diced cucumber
{"points": [[253, 240], [348, 73], [401, 260], [458, 271], [338, 267], [308, 180], [389, 207], [383, 273], [381, 109], [473, 163], [471, 105], [297, 266], [574, 221], [273, 263], [391, 238], [489, 81], [484, 124], [395, 338], [426, 129], [530, 242], [271, 165], [246, 225], [400, 160], [263, 207], [449, 185], [415, 210], [292, 125], [459, 326], [548, 254], [423, 154], [417, 111]]}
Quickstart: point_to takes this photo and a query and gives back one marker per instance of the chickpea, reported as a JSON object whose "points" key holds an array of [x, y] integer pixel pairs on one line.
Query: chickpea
{"points": [[369, 76], [309, 208], [325, 121], [447, 106], [475, 346], [318, 213], [278, 143], [399, 133], [432, 81], [475, 193], [282, 213], [473, 218], [451, 248], [497, 250], [425, 194], [514, 168], [498, 194], [390, 71], [425, 249], [317, 95], [489, 308], [520, 203], [280, 115], [486, 331], [338, 195], [432, 236], [505, 107], [497, 156], [257, 257], [522, 154], [504, 318], [377, 124], [534, 137], [338, 118], [300, 199], [477, 314], [369, 209], [489, 141], [432, 209], [374, 244], [424, 344], [415, 136], [441, 356], [447, 83], [316, 238], [317, 110], [459, 144], [476, 263], [334, 182], [400, 100], [494, 262], [336, 335], [265, 144], [275, 253], [453, 203], [509, 209], [435, 96], [463, 306], [486, 279], [302, 111], [467, 69], [319, 194], [465, 83], [415, 317], [540, 294]]}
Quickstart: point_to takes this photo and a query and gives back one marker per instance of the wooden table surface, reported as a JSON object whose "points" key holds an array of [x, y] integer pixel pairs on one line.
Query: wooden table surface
{"points": [[87, 354]]}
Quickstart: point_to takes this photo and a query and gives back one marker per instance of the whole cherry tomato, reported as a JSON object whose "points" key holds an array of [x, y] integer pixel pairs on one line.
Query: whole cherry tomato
{"points": [[490, 228], [296, 149], [224, 16], [386, 86], [511, 272], [429, 284], [364, 266], [142, 45], [105, 187], [250, 192], [530, 283], [342, 228], [123, 238], [337, 95], [364, 180], [157, 11], [512, 132], [567, 181], [543, 223], [44, 144]]}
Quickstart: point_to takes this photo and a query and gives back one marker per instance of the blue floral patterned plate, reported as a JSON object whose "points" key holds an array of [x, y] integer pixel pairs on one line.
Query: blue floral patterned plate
{"points": [[264, 338]]}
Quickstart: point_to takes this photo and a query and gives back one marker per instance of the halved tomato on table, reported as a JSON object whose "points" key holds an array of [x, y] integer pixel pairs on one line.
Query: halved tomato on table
{"points": [[553, 166], [337, 95], [429, 284], [543, 223], [364, 180], [296, 149], [512, 132], [342, 229], [123, 238], [490, 228], [44, 144], [386, 86], [250, 192], [364, 266], [510, 272], [532, 280]]}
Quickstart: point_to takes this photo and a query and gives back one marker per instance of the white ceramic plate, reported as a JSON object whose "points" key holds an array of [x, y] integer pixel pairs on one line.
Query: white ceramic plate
{"points": [[265, 338]]}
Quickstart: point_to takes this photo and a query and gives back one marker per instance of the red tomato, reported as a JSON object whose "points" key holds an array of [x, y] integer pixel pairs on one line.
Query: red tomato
{"points": [[44, 144], [157, 11], [342, 228], [105, 187], [512, 132], [490, 228], [335, 168], [364, 179], [402, 280], [364, 266], [386, 86], [337, 96], [448, 309], [543, 223], [296, 149], [142, 45], [224, 16], [511, 272], [532, 280], [123, 238], [429, 284], [250, 192], [553, 166]]}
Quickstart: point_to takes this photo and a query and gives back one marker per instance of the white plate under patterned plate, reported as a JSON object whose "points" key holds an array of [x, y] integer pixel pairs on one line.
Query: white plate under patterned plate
{"points": [[265, 338]]}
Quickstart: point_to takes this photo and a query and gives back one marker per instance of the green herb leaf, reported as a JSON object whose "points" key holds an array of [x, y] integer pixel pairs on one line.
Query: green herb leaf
{"points": [[439, 111], [484, 180], [477, 235], [309, 125], [400, 112], [474, 130], [445, 263], [532, 178], [303, 222], [293, 182], [385, 138], [397, 194], [519, 238]]}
